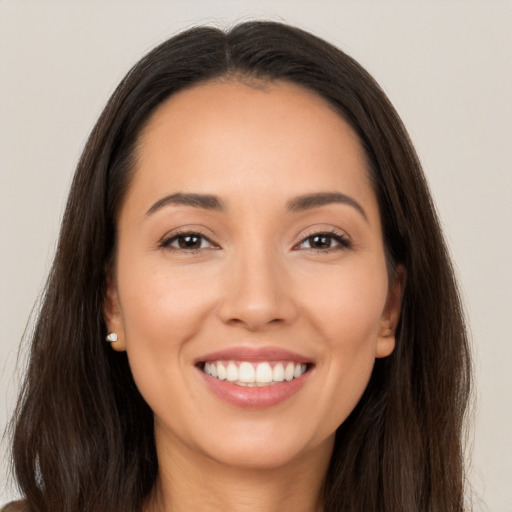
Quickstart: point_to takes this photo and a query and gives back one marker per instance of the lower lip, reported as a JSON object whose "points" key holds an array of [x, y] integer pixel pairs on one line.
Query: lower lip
{"points": [[256, 397]]}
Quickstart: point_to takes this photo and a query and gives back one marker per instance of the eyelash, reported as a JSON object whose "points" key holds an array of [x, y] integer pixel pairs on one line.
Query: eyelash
{"points": [[167, 241], [342, 241]]}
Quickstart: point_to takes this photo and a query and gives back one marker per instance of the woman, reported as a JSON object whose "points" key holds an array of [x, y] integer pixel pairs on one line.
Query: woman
{"points": [[250, 231]]}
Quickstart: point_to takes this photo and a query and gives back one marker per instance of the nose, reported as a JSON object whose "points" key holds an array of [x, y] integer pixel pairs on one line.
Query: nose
{"points": [[257, 292]]}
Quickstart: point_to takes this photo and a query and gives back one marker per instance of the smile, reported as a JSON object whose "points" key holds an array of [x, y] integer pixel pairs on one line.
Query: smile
{"points": [[255, 374], [255, 377]]}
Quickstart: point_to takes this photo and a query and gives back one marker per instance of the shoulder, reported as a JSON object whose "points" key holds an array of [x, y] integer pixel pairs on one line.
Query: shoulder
{"points": [[14, 506]]}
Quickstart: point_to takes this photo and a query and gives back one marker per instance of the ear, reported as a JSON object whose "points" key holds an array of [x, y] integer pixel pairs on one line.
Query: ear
{"points": [[391, 314], [113, 315]]}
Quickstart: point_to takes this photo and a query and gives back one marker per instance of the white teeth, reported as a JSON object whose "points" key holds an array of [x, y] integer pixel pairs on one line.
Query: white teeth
{"points": [[263, 373], [254, 374], [289, 371], [298, 370], [278, 373], [221, 371], [232, 372], [246, 372]]}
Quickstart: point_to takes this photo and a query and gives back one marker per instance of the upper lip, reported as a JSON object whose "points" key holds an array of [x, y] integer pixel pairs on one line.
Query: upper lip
{"points": [[254, 354]]}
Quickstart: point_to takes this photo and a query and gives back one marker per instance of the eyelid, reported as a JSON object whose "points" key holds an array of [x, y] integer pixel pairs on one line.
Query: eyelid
{"points": [[171, 236], [340, 236]]}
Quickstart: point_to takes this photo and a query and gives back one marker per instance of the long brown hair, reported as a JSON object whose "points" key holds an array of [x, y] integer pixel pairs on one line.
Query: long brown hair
{"points": [[83, 435]]}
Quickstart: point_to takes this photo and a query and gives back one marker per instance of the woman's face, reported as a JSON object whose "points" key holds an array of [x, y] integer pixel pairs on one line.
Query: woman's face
{"points": [[250, 290]]}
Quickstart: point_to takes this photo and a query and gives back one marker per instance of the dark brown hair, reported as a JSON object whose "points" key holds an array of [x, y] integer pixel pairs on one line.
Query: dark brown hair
{"points": [[83, 435]]}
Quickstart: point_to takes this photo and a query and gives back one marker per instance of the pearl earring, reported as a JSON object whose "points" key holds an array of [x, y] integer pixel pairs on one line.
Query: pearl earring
{"points": [[111, 337]]}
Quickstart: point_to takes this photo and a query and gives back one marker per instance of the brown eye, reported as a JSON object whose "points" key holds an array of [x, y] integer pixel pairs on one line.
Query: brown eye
{"points": [[187, 242], [324, 242], [320, 241]]}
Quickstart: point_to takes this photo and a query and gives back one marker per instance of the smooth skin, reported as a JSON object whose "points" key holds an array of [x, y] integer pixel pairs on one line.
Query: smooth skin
{"points": [[250, 274]]}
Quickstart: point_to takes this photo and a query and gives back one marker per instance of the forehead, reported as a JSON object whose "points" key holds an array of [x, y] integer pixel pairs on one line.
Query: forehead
{"points": [[232, 138]]}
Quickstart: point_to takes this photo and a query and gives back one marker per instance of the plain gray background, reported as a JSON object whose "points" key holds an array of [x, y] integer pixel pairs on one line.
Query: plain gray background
{"points": [[446, 65]]}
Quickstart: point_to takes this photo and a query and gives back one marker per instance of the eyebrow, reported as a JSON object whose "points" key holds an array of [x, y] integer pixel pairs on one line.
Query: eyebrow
{"points": [[297, 204], [205, 201], [318, 199]]}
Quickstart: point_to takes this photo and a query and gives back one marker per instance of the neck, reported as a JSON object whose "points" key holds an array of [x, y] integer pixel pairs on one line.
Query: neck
{"points": [[188, 482]]}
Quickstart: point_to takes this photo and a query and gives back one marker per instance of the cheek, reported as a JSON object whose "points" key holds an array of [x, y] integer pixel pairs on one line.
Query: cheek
{"points": [[346, 313], [162, 310], [347, 304], [161, 304]]}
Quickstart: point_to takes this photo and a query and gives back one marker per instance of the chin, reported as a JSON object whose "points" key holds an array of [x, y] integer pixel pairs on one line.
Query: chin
{"points": [[271, 451]]}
